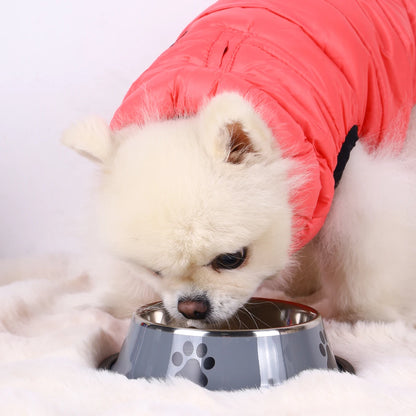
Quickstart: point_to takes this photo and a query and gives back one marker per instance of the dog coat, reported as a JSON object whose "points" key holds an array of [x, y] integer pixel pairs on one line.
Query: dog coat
{"points": [[313, 69]]}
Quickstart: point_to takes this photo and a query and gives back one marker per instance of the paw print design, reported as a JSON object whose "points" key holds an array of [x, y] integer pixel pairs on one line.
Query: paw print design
{"points": [[193, 361], [325, 351]]}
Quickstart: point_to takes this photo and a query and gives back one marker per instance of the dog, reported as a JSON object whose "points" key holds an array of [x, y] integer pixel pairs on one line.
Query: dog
{"points": [[267, 148]]}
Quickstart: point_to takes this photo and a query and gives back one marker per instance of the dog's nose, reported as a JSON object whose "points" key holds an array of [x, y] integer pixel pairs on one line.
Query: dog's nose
{"points": [[194, 308]]}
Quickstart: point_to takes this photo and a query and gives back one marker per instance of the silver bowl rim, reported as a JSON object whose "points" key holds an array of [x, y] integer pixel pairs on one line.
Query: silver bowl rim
{"points": [[315, 320]]}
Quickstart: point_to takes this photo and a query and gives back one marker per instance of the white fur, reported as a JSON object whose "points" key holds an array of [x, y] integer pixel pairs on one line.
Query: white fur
{"points": [[91, 138], [170, 202], [365, 253], [50, 349]]}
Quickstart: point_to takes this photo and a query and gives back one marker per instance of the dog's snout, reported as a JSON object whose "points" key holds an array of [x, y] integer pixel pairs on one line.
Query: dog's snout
{"points": [[194, 308]]}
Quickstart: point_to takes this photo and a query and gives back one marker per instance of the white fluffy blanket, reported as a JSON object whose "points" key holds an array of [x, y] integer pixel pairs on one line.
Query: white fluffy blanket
{"points": [[52, 338]]}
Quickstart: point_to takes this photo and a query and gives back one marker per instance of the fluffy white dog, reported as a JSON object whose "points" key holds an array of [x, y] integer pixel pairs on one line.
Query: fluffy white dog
{"points": [[207, 232], [204, 195]]}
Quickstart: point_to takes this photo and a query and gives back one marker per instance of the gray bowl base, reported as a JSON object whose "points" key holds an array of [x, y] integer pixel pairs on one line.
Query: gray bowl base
{"points": [[343, 365]]}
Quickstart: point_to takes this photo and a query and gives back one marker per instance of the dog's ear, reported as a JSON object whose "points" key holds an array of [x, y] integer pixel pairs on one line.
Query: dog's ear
{"points": [[91, 138], [239, 143], [232, 131]]}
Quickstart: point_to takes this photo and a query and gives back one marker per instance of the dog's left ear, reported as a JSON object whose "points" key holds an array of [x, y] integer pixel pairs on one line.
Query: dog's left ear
{"points": [[232, 131], [91, 138]]}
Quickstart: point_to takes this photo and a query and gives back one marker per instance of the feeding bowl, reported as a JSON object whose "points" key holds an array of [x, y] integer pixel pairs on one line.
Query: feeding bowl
{"points": [[265, 343]]}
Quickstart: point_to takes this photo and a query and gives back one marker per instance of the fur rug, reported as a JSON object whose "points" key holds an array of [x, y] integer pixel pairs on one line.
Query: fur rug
{"points": [[53, 334]]}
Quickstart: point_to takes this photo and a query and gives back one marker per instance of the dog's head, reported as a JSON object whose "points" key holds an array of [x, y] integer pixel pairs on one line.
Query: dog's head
{"points": [[201, 203]]}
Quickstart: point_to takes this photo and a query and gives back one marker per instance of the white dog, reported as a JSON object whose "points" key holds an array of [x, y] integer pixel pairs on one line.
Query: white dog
{"points": [[202, 204]]}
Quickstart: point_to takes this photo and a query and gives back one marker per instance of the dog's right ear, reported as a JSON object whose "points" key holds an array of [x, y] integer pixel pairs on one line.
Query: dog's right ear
{"points": [[232, 130], [91, 138]]}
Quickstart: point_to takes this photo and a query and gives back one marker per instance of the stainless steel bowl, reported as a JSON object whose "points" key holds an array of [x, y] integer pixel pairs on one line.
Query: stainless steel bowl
{"points": [[265, 343]]}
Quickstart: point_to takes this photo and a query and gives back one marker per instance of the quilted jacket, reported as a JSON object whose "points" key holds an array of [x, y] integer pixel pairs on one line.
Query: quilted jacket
{"points": [[313, 69]]}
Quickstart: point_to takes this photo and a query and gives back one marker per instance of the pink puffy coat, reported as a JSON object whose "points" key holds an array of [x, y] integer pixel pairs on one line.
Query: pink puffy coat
{"points": [[311, 68]]}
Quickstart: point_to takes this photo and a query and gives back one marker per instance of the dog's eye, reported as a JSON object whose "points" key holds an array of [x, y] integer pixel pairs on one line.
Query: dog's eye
{"points": [[229, 261], [156, 273]]}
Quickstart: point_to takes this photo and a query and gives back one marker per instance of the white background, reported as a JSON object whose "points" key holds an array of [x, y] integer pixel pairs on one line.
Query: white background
{"points": [[59, 62]]}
